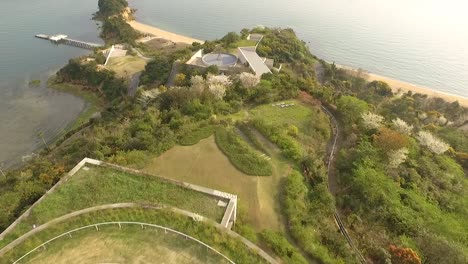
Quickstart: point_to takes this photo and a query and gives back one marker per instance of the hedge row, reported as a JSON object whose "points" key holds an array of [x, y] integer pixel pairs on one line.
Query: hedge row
{"points": [[241, 155]]}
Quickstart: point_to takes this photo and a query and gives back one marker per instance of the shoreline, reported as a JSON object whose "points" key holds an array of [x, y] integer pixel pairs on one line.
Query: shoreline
{"points": [[395, 84], [398, 85], [157, 32]]}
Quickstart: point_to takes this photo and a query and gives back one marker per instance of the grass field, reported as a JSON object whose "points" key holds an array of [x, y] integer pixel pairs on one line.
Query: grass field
{"points": [[111, 245], [204, 164], [313, 125], [163, 46], [126, 66], [298, 115], [100, 185], [130, 244]]}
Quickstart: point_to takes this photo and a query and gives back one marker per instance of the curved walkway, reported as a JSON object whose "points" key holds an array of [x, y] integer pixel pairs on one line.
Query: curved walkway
{"points": [[119, 224], [333, 183], [40, 228]]}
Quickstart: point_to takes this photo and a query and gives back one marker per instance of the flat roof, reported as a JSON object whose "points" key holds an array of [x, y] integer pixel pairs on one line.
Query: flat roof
{"points": [[256, 63]]}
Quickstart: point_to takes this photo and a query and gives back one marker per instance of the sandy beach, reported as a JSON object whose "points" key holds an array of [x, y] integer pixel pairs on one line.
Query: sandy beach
{"points": [[147, 29], [397, 85]]}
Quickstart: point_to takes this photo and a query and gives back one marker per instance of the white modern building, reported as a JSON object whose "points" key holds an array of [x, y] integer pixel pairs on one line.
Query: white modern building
{"points": [[248, 55]]}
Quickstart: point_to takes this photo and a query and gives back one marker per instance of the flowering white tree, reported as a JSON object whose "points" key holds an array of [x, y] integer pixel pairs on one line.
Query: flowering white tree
{"points": [[249, 80], [198, 83], [432, 143], [218, 90], [397, 157], [218, 79], [371, 120], [402, 127]]}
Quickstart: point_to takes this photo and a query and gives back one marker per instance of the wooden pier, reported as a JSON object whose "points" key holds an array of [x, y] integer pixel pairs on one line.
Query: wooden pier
{"points": [[63, 39]]}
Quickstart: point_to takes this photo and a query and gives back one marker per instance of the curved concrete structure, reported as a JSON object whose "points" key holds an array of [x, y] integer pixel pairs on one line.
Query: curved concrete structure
{"points": [[220, 59]]}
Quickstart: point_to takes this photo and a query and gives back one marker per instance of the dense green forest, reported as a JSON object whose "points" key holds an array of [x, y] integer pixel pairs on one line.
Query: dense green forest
{"points": [[401, 167]]}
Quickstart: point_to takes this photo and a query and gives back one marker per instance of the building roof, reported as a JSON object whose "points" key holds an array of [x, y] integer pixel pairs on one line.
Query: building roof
{"points": [[255, 62], [255, 37]]}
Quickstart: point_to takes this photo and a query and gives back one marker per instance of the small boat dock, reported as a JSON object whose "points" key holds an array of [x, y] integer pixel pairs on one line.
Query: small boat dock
{"points": [[63, 39]]}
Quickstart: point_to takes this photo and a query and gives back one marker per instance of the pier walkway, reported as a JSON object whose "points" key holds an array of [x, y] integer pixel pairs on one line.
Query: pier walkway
{"points": [[63, 39]]}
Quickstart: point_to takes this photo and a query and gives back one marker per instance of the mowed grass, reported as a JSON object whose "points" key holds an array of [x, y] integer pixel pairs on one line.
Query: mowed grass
{"points": [[126, 66], [204, 164], [312, 123], [101, 185], [129, 244], [136, 244], [298, 114]]}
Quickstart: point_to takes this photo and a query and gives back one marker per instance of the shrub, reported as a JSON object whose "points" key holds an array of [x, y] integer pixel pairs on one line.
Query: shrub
{"points": [[432, 143], [281, 246], [286, 143], [240, 154], [193, 137]]}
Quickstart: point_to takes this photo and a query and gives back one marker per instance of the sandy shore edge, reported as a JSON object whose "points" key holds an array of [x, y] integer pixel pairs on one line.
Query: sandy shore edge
{"points": [[157, 32], [398, 85]]}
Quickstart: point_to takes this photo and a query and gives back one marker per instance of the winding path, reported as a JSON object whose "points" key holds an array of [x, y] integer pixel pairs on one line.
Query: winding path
{"points": [[333, 183]]}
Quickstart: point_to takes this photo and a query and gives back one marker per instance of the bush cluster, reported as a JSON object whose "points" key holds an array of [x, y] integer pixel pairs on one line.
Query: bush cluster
{"points": [[241, 155]]}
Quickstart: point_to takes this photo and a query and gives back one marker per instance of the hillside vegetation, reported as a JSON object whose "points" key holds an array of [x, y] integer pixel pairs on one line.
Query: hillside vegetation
{"points": [[400, 168]]}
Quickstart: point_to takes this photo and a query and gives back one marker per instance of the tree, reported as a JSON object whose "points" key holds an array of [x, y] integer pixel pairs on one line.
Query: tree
{"points": [[156, 71], [390, 140], [218, 90], [249, 80], [381, 88], [434, 144], [224, 80], [111, 7], [293, 131], [371, 120], [402, 127], [397, 157], [198, 84], [230, 38], [180, 79], [351, 108], [402, 255]]}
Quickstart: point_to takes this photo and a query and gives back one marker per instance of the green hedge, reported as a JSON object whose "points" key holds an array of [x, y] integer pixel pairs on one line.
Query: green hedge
{"points": [[244, 128], [288, 145], [195, 136], [241, 155], [281, 246]]}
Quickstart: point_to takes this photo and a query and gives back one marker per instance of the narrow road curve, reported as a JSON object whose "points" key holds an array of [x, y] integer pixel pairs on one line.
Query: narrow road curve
{"points": [[333, 182]]}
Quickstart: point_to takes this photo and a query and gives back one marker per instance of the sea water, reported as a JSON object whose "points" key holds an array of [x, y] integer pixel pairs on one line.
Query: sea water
{"points": [[419, 41]]}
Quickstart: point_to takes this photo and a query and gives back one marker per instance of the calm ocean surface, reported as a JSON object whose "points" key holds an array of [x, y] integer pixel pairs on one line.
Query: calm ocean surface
{"points": [[419, 41], [24, 110]]}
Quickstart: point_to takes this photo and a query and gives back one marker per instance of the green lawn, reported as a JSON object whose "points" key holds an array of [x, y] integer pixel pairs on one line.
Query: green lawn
{"points": [[101, 185], [313, 125], [132, 242], [126, 66], [298, 115]]}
